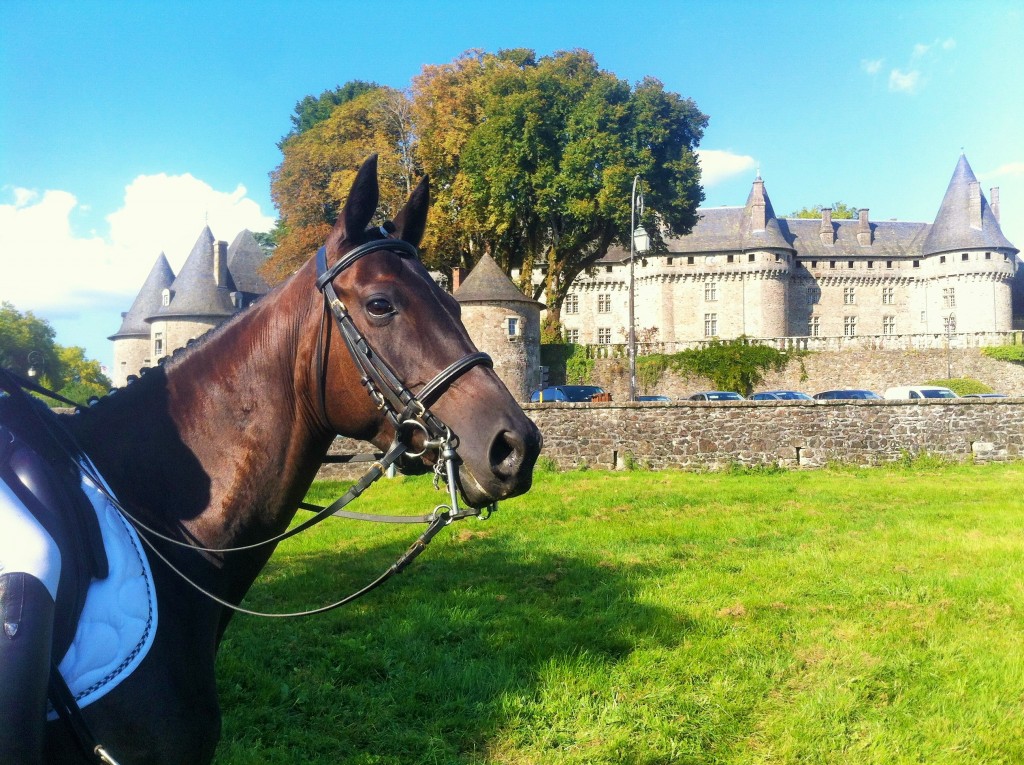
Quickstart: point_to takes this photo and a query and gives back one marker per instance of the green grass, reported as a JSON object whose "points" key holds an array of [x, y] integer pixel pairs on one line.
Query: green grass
{"points": [[835, 616]]}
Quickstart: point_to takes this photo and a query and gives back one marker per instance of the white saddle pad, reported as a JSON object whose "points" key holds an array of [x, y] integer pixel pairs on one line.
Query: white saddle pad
{"points": [[119, 620]]}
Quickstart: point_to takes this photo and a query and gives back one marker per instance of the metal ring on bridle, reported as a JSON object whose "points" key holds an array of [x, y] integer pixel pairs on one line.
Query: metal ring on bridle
{"points": [[428, 443]]}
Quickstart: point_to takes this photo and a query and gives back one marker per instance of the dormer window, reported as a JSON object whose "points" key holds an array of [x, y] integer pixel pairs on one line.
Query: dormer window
{"points": [[165, 298]]}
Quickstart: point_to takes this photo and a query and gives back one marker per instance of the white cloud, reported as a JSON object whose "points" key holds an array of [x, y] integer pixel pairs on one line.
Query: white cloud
{"points": [[717, 166], [872, 66], [47, 267], [904, 82], [1011, 169]]}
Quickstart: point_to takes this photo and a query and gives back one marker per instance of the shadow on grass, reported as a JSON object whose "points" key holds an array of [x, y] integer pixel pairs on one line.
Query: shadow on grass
{"points": [[433, 667]]}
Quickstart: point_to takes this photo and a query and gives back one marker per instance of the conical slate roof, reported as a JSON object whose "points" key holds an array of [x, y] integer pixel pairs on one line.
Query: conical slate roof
{"points": [[953, 229], [754, 236], [487, 283], [147, 302], [245, 256], [194, 292]]}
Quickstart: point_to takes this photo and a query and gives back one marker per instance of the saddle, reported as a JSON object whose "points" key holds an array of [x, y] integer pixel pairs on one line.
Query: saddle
{"points": [[37, 461]]}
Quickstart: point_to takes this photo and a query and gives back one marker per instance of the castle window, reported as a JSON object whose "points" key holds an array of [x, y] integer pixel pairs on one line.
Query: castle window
{"points": [[849, 326], [710, 325], [689, 260], [814, 264], [158, 344], [888, 264], [965, 256], [949, 297], [988, 256], [165, 297], [871, 264], [604, 335], [942, 258], [751, 258], [643, 262], [849, 295], [710, 291], [887, 295], [607, 269], [917, 264], [604, 303], [668, 261], [778, 258], [729, 259], [949, 324], [513, 326], [814, 326], [572, 335], [831, 264], [888, 325], [849, 264], [572, 303], [813, 293]]}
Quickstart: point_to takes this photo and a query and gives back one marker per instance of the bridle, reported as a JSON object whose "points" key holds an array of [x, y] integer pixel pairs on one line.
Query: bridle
{"points": [[407, 412]]}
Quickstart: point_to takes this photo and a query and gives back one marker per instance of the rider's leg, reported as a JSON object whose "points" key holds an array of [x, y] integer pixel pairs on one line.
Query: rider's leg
{"points": [[26, 626], [29, 574]]}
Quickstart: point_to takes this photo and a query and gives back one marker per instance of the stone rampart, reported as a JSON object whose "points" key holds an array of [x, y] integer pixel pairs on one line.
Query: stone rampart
{"points": [[698, 435]]}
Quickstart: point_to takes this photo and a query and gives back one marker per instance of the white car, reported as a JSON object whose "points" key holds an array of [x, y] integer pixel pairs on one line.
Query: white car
{"points": [[919, 391]]}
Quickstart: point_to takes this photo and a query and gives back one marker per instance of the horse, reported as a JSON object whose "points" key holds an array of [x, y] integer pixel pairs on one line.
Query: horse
{"points": [[217, 447]]}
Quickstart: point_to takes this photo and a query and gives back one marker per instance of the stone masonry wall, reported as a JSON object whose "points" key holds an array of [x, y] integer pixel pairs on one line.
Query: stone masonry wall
{"points": [[698, 435]]}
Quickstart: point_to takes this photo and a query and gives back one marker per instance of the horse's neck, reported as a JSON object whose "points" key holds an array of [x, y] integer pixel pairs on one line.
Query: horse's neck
{"points": [[221, 441]]}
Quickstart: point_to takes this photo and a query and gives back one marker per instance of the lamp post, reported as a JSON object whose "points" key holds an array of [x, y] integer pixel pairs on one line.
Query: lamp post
{"points": [[950, 329], [638, 240], [33, 359]]}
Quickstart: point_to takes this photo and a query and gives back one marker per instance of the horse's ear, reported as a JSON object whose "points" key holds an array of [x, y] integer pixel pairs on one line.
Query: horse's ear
{"points": [[362, 200], [411, 220]]}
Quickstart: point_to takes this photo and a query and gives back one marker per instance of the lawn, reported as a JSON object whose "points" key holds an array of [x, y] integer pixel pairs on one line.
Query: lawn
{"points": [[831, 616]]}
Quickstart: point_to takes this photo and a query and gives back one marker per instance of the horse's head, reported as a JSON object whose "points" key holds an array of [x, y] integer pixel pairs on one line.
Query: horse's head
{"points": [[410, 342]]}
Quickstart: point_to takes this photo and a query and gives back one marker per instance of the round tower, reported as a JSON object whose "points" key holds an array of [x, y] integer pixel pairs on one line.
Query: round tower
{"points": [[504, 323]]}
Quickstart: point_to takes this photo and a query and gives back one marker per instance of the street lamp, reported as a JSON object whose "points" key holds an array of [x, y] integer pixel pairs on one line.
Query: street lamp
{"points": [[638, 240], [33, 359], [950, 329]]}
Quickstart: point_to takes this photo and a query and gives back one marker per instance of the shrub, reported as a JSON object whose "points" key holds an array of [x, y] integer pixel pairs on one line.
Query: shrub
{"points": [[961, 386]]}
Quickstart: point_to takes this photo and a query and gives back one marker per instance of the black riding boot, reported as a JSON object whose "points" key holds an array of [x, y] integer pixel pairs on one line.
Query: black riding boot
{"points": [[26, 629]]}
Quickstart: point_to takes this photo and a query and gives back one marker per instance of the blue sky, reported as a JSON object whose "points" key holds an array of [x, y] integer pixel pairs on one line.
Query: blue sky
{"points": [[125, 127]]}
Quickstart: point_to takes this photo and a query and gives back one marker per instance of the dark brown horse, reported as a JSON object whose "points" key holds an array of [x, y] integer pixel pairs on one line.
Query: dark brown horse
{"points": [[220, 444]]}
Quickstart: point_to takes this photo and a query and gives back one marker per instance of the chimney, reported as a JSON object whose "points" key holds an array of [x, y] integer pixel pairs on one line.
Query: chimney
{"points": [[827, 233], [758, 219], [993, 201], [220, 263], [974, 204], [458, 276], [863, 228]]}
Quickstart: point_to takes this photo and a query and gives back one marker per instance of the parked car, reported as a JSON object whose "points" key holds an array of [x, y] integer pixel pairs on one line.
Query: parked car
{"points": [[567, 393], [919, 391], [653, 398], [985, 395], [780, 395], [832, 395], [716, 395]]}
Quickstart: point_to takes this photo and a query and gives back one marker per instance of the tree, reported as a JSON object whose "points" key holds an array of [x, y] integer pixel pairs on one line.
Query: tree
{"points": [[840, 211], [313, 110], [549, 169], [318, 167], [27, 348]]}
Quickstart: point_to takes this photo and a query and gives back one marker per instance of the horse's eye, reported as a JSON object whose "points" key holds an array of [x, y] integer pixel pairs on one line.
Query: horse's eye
{"points": [[379, 307]]}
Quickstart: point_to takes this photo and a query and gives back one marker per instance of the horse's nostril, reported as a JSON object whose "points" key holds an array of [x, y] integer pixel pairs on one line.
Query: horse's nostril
{"points": [[506, 454]]}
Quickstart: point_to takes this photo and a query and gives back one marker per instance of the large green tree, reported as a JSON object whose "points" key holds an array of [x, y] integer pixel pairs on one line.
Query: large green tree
{"points": [[840, 211], [28, 348], [312, 110]]}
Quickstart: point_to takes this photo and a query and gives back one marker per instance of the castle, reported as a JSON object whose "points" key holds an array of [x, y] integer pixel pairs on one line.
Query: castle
{"points": [[745, 271], [216, 282]]}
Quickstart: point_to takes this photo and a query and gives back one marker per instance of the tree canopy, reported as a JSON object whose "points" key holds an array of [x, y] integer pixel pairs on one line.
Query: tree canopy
{"points": [[840, 211], [28, 348], [312, 110], [532, 161]]}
